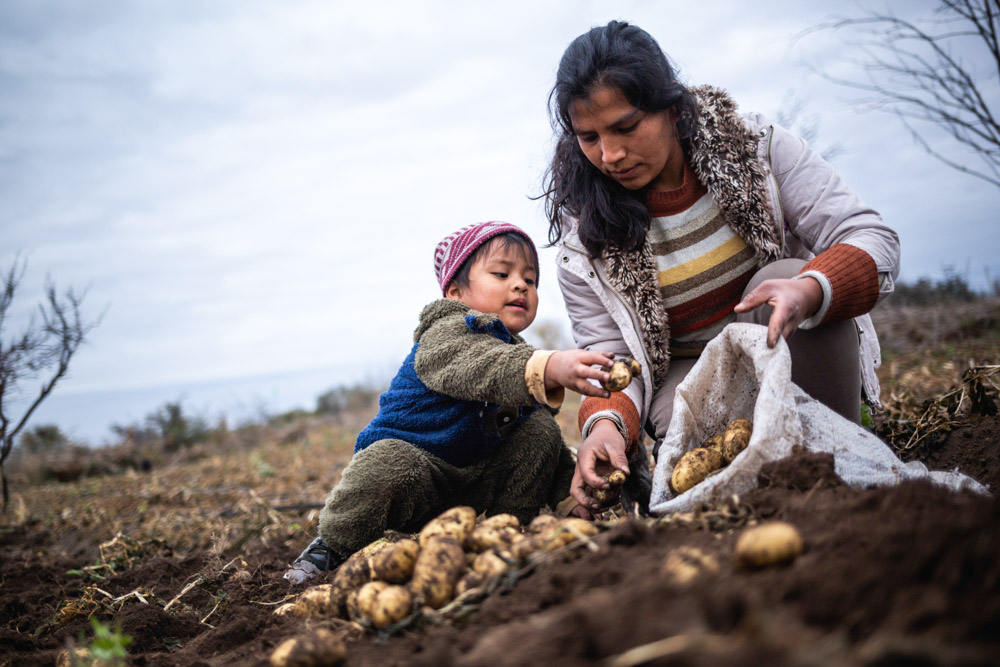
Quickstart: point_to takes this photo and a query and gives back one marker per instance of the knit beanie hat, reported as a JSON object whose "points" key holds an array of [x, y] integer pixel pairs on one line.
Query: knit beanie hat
{"points": [[451, 253]]}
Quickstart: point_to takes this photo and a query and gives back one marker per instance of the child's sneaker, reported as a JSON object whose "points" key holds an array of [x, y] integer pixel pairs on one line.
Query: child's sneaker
{"points": [[316, 558]]}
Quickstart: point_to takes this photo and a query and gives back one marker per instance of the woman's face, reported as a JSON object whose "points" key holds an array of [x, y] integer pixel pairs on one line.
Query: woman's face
{"points": [[636, 148]]}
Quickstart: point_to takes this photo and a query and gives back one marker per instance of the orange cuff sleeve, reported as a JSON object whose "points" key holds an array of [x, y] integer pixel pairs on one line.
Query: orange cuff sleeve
{"points": [[853, 280], [619, 403]]}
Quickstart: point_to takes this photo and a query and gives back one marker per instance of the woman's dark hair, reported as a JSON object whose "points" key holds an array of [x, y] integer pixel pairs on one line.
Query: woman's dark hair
{"points": [[625, 57], [508, 239]]}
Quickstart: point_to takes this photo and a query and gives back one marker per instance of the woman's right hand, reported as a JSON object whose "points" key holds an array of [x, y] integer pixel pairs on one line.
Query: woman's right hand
{"points": [[602, 451]]}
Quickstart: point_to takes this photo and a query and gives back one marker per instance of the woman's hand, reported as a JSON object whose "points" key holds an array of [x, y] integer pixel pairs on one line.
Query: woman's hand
{"points": [[792, 301], [574, 368], [603, 450]]}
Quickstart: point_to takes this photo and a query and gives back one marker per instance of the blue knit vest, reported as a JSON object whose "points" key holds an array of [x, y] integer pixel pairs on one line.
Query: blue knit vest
{"points": [[457, 431]]}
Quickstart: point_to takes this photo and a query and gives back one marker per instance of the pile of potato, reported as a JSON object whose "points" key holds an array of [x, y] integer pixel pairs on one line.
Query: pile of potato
{"points": [[717, 452], [386, 581]]}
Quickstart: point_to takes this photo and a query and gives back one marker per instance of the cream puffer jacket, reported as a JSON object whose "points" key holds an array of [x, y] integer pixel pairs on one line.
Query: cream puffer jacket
{"points": [[778, 194]]}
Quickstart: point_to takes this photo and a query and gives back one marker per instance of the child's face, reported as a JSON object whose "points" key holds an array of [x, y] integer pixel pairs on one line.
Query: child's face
{"points": [[502, 281]]}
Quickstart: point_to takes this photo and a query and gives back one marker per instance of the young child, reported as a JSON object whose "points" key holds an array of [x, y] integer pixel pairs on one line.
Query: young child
{"points": [[468, 419]]}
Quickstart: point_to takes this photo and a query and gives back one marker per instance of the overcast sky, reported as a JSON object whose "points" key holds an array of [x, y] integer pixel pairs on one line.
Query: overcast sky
{"points": [[255, 189]]}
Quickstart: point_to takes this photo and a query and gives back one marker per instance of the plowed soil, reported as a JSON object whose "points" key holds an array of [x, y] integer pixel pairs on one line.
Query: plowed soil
{"points": [[908, 575]]}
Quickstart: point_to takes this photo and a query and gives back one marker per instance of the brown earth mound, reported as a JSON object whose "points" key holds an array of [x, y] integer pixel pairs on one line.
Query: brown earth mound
{"points": [[908, 575]]}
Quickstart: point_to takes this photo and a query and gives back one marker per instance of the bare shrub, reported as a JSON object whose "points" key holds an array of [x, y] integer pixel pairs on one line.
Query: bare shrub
{"points": [[39, 355]]}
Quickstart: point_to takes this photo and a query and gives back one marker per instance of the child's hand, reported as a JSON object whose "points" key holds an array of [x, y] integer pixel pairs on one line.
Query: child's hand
{"points": [[573, 368]]}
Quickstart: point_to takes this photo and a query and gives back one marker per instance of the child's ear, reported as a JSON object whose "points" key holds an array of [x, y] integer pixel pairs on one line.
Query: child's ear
{"points": [[454, 291]]}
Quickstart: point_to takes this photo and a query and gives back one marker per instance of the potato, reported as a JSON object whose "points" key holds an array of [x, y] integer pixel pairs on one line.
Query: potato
{"points": [[543, 522], [392, 605], [500, 521], [319, 647], [684, 564], [768, 544], [395, 564], [361, 602], [353, 574], [356, 570], [317, 601], [740, 424], [489, 564], [621, 373], [715, 442], [735, 439], [285, 609], [566, 531], [609, 496], [532, 543], [439, 566], [573, 527], [456, 523], [733, 443], [485, 537], [693, 467], [471, 580]]}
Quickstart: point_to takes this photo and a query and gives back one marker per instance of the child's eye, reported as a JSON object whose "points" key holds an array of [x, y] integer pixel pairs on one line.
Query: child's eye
{"points": [[500, 274], [530, 281]]}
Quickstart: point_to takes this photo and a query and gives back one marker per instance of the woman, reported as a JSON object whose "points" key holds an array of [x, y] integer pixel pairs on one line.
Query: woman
{"points": [[675, 216]]}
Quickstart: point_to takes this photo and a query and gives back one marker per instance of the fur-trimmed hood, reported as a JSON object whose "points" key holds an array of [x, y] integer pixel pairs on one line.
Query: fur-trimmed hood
{"points": [[723, 155]]}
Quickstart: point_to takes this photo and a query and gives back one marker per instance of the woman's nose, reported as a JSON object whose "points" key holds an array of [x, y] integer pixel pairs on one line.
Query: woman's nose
{"points": [[612, 151]]}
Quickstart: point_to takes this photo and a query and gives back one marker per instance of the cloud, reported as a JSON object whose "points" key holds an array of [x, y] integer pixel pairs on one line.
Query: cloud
{"points": [[256, 188]]}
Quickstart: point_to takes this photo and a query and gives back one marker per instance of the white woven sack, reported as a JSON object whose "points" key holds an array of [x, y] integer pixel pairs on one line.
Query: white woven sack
{"points": [[738, 376]]}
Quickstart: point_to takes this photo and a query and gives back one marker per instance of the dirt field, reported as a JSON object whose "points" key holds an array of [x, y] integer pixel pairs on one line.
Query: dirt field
{"points": [[908, 575]]}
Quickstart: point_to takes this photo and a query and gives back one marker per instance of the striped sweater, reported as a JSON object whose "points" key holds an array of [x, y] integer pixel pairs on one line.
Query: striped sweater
{"points": [[703, 266]]}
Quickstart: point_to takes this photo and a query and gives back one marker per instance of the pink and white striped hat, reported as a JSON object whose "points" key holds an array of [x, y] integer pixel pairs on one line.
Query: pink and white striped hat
{"points": [[451, 252]]}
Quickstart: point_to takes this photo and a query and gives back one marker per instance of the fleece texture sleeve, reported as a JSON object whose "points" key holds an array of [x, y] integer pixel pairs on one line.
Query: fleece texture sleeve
{"points": [[460, 355]]}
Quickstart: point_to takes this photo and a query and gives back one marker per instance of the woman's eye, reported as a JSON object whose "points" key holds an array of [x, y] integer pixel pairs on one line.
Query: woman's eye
{"points": [[586, 138], [626, 130]]}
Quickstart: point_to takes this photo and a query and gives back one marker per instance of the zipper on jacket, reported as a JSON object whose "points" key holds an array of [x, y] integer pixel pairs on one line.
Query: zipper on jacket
{"points": [[777, 190], [628, 309]]}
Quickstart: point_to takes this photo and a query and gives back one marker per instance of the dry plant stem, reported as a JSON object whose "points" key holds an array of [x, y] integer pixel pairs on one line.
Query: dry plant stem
{"points": [[809, 495], [201, 579], [931, 420], [664, 648], [282, 601], [135, 594], [218, 601], [197, 582]]}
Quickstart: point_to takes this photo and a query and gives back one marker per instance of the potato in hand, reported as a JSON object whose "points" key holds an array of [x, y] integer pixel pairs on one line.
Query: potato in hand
{"points": [[621, 374], [609, 496]]}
